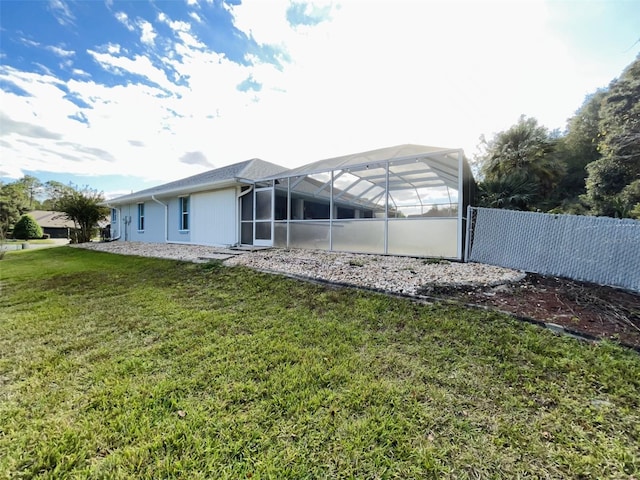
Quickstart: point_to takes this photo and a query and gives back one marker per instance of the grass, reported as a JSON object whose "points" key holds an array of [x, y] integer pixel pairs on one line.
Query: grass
{"points": [[126, 367]]}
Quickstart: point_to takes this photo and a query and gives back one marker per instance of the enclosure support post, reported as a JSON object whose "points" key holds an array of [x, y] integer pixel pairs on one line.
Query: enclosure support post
{"points": [[386, 211], [288, 208], [461, 196]]}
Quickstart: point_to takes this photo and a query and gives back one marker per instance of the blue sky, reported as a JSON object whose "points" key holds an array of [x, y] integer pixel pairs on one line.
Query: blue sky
{"points": [[123, 95]]}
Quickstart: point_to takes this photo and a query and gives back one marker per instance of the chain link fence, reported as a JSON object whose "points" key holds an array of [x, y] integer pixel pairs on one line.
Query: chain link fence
{"points": [[592, 249]]}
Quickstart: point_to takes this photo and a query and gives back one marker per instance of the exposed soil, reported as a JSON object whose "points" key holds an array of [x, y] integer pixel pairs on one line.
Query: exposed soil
{"points": [[592, 310]]}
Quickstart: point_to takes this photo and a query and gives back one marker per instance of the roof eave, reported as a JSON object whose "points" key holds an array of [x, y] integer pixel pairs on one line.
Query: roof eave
{"points": [[174, 192]]}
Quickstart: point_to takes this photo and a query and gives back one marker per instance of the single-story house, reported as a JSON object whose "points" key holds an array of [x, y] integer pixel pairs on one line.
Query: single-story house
{"points": [[54, 224], [401, 200]]}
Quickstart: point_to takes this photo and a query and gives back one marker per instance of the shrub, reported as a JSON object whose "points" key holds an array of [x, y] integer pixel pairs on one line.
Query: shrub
{"points": [[27, 228]]}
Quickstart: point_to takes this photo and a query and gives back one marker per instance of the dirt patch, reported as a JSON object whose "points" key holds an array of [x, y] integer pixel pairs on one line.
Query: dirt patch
{"points": [[586, 308]]}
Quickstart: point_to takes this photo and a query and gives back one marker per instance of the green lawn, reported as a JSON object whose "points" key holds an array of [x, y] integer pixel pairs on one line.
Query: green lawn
{"points": [[126, 367]]}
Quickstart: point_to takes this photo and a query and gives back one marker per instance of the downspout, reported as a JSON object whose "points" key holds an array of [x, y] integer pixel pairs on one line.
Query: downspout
{"points": [[166, 218], [249, 190], [111, 238]]}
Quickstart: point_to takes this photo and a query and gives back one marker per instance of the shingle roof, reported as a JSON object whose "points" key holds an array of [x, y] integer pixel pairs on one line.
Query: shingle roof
{"points": [[53, 219], [48, 219], [248, 170]]}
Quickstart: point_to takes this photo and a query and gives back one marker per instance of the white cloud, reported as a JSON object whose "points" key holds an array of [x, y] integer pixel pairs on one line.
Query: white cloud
{"points": [[62, 12], [437, 73], [176, 26], [123, 18], [28, 41], [376, 74], [113, 49], [116, 115], [148, 35], [195, 16], [138, 65], [61, 52], [44, 69], [189, 40]]}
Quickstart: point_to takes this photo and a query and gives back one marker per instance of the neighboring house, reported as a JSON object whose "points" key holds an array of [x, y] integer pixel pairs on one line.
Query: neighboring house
{"points": [[54, 224], [402, 200]]}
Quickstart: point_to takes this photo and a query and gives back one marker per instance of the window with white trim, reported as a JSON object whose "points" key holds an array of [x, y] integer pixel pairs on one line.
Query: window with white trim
{"points": [[140, 217], [184, 213]]}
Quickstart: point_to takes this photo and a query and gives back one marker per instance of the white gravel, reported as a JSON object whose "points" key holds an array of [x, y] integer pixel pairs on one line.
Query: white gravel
{"points": [[403, 275]]}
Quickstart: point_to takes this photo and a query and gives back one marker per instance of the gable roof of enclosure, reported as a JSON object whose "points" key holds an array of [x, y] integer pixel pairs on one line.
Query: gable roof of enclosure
{"points": [[412, 167], [242, 172], [440, 167]]}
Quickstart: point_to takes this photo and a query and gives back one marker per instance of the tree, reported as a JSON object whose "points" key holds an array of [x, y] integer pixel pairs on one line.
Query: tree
{"points": [[53, 191], [13, 203], [32, 186], [579, 147], [630, 199], [619, 145], [82, 206], [525, 150], [515, 192], [27, 228], [607, 178]]}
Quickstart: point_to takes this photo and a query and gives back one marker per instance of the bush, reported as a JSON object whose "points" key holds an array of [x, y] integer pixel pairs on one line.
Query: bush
{"points": [[27, 228]]}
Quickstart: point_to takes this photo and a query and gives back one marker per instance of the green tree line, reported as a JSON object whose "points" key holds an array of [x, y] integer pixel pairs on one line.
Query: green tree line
{"points": [[593, 168]]}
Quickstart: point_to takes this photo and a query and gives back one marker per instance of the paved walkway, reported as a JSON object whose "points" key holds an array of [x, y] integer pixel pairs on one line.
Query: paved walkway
{"points": [[54, 242]]}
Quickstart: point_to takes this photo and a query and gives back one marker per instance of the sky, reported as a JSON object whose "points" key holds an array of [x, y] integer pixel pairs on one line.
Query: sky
{"points": [[124, 95]]}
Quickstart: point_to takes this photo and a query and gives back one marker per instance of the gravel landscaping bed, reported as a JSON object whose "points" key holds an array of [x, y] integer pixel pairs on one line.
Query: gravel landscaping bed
{"points": [[400, 275]]}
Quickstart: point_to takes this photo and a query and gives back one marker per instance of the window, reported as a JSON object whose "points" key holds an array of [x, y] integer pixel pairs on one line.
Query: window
{"points": [[140, 217], [114, 216], [184, 213]]}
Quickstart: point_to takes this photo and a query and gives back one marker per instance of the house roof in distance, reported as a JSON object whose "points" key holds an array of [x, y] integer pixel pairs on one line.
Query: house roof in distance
{"points": [[49, 219], [248, 170]]}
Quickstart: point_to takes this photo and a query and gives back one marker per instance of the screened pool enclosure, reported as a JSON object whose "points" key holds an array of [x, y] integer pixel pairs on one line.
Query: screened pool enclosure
{"points": [[403, 200]]}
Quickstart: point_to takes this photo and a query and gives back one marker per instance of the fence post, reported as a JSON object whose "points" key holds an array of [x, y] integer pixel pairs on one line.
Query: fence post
{"points": [[467, 246]]}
